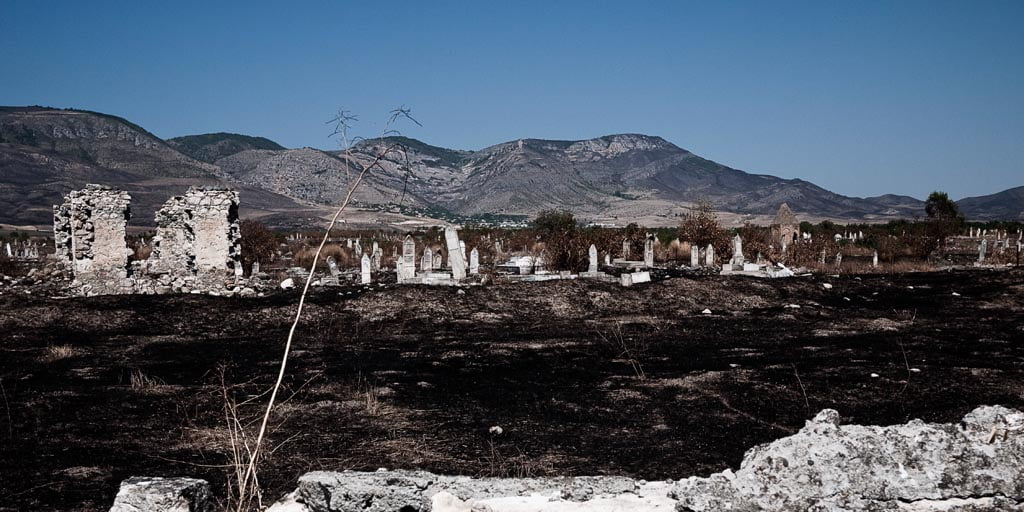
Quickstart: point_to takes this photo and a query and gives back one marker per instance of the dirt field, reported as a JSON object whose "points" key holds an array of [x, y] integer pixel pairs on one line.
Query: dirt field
{"points": [[583, 378]]}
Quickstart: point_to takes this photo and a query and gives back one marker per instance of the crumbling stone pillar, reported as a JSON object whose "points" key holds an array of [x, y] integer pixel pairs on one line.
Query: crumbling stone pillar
{"points": [[173, 245], [89, 232], [198, 233]]}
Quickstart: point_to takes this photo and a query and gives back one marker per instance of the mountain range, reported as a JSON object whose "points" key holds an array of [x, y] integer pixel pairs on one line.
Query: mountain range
{"points": [[615, 179]]}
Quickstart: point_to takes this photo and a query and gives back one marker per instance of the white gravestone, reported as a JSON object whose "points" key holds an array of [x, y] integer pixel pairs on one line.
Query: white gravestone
{"points": [[365, 270], [427, 262], [455, 260], [408, 258], [737, 252], [474, 261]]}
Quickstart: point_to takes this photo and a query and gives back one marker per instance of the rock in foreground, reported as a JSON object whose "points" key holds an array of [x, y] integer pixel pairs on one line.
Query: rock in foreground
{"points": [[163, 495], [975, 465]]}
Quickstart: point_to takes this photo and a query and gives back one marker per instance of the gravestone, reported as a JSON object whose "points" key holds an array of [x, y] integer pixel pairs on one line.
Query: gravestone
{"points": [[694, 256], [839, 259], [649, 252], [981, 251], [332, 266], [625, 249], [737, 252], [607, 259], [455, 259], [364, 270], [629, 279], [408, 258], [427, 262], [9, 253], [462, 249], [874, 259], [710, 256], [437, 260], [255, 268], [358, 248], [348, 243], [592, 256], [474, 261]]}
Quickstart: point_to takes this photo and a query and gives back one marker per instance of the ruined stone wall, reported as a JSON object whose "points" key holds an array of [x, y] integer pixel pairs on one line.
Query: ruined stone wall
{"points": [[197, 245], [89, 232], [173, 244], [198, 233], [218, 241]]}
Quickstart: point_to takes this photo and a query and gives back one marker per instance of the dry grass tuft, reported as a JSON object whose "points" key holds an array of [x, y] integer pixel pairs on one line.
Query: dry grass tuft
{"points": [[59, 352], [139, 380]]}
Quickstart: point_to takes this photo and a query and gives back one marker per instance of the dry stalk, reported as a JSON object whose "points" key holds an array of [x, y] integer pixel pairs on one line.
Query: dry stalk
{"points": [[248, 482]]}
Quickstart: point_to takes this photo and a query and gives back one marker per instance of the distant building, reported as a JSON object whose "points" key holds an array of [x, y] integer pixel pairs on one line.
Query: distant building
{"points": [[785, 227]]}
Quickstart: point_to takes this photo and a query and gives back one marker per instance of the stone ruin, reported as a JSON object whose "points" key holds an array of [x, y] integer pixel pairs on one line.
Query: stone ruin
{"points": [[197, 241], [89, 231], [198, 233]]}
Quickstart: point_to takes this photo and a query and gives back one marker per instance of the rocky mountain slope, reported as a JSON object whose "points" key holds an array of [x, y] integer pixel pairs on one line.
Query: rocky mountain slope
{"points": [[44, 153], [1005, 205], [628, 177]]}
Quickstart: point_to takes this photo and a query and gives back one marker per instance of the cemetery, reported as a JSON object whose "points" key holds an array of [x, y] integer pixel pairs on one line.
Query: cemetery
{"points": [[465, 369]]}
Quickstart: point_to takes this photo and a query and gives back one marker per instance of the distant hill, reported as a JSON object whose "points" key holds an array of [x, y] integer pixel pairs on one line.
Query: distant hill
{"points": [[1005, 205], [210, 147], [46, 152]]}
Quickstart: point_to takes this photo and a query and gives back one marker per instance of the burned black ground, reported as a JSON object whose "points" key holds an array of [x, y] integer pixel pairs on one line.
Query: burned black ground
{"points": [[583, 378]]}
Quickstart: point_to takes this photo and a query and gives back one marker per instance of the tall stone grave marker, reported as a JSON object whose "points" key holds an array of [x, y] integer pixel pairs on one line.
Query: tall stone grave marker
{"points": [[364, 273], [408, 258], [592, 256], [737, 252], [474, 261], [455, 259]]}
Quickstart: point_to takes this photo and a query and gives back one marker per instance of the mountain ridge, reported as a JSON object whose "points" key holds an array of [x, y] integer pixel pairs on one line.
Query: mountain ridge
{"points": [[616, 176]]}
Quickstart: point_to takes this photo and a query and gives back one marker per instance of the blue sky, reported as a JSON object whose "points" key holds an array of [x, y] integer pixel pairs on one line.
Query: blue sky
{"points": [[862, 98]]}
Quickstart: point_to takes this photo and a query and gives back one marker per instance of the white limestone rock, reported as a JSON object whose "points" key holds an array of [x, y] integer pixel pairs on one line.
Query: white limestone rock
{"points": [[138, 494], [855, 467]]}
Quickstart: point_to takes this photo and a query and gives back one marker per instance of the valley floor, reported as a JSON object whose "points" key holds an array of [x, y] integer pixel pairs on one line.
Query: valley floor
{"points": [[583, 378]]}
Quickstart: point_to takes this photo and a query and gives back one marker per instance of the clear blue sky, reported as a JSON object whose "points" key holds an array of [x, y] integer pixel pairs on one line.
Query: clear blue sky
{"points": [[860, 97]]}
